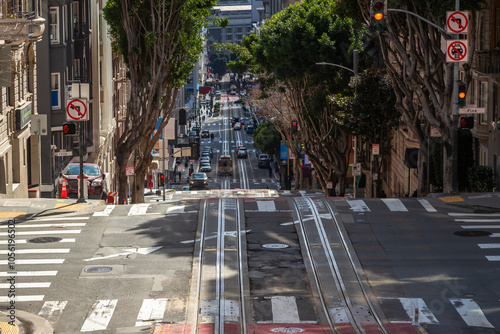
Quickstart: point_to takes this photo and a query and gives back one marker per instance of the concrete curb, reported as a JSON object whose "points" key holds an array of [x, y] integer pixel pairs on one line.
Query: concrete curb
{"points": [[28, 323]]}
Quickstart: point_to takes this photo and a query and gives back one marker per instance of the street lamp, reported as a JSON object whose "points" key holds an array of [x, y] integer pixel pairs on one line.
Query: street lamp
{"points": [[355, 60]]}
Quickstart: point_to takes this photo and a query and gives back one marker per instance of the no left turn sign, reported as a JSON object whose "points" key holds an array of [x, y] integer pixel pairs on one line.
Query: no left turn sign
{"points": [[76, 110], [457, 22], [456, 50]]}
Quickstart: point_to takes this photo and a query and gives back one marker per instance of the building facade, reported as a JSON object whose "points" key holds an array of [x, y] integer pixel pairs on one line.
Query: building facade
{"points": [[20, 30]]}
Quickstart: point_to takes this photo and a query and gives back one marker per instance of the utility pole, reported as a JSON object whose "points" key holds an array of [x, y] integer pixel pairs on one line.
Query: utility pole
{"points": [[454, 124]]}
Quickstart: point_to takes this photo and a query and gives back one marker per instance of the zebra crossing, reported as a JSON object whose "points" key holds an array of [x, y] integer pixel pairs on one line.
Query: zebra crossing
{"points": [[28, 260], [486, 223], [392, 204], [417, 310]]}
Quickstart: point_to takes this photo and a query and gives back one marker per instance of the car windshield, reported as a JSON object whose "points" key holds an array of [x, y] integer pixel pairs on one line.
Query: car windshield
{"points": [[204, 131], [199, 176], [90, 170]]}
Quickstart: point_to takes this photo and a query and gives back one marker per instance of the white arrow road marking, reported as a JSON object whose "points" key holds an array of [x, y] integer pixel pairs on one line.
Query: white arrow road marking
{"points": [[228, 233], [129, 251]]}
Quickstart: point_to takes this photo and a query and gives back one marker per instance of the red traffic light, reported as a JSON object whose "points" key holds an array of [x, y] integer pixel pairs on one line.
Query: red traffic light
{"points": [[294, 126], [467, 122], [69, 128], [162, 176]]}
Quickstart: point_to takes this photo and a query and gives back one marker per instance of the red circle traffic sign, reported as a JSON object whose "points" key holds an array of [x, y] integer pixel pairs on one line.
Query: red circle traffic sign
{"points": [[76, 109], [455, 46], [455, 18]]}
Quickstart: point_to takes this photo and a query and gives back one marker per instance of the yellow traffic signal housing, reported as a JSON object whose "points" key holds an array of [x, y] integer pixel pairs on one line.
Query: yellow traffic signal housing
{"points": [[378, 15]]}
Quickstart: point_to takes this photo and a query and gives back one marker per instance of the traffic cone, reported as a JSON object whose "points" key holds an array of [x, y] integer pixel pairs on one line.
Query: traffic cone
{"points": [[64, 194]]}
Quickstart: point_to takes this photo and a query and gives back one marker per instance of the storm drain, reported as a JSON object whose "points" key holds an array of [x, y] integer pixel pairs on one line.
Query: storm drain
{"points": [[44, 240], [94, 270], [472, 233]]}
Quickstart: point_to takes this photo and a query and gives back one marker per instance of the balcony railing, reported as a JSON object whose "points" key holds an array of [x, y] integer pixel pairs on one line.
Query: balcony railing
{"points": [[487, 62]]}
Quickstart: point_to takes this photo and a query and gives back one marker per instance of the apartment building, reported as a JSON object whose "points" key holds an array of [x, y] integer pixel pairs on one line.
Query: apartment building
{"points": [[20, 30]]}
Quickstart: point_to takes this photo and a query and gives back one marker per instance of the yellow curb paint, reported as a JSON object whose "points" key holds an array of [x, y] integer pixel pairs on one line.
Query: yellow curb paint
{"points": [[450, 199], [6, 328], [12, 214], [72, 207]]}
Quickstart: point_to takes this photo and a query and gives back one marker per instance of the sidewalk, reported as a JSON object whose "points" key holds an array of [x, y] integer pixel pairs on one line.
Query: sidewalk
{"points": [[484, 202]]}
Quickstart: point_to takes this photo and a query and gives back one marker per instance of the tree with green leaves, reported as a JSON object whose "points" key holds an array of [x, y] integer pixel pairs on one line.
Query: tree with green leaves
{"points": [[285, 55], [416, 62], [159, 41], [370, 113], [267, 139]]}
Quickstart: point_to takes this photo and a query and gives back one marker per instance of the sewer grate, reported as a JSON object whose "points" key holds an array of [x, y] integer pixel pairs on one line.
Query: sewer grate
{"points": [[44, 240], [472, 233], [94, 270]]}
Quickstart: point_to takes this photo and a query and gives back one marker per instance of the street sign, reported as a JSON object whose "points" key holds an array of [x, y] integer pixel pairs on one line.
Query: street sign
{"points": [[435, 132], [77, 110], [457, 22], [471, 110], [63, 154], [375, 149], [456, 50], [356, 169], [129, 170]]}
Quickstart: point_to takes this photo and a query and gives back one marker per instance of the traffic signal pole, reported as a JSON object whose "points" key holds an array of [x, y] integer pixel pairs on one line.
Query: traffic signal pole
{"points": [[454, 124]]}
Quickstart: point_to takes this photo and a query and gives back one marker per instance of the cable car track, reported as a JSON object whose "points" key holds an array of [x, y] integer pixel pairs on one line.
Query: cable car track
{"points": [[219, 297], [346, 302]]}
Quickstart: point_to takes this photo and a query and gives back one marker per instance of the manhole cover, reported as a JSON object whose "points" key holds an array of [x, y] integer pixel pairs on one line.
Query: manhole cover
{"points": [[287, 330], [44, 240], [472, 233], [94, 270], [275, 246]]}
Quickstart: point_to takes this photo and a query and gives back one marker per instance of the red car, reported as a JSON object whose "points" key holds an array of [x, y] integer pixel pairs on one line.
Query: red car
{"points": [[96, 180]]}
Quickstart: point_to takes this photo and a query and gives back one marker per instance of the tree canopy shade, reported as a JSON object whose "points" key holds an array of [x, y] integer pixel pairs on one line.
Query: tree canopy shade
{"points": [[160, 41], [285, 54], [416, 63]]}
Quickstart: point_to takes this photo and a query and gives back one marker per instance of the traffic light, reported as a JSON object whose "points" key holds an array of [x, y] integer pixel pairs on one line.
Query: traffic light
{"points": [[161, 179], [378, 13], [294, 127], [462, 92], [69, 128], [467, 122]]}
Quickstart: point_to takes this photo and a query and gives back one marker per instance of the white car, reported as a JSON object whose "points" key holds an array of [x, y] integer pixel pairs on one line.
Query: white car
{"points": [[205, 160], [205, 167]]}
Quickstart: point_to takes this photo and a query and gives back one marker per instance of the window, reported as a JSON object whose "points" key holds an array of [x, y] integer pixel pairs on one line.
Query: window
{"points": [[65, 24], [54, 25], [483, 100], [55, 85]]}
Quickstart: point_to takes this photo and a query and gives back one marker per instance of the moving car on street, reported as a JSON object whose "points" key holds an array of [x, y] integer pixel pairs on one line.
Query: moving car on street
{"points": [[205, 167], [198, 181], [205, 134]]}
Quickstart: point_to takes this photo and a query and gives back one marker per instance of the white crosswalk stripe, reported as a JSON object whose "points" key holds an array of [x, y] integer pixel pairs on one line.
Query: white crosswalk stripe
{"points": [[358, 205], [100, 315], [395, 204], [285, 310], [410, 305], [268, 206], [52, 310], [427, 206], [138, 209], [470, 311], [152, 310]]}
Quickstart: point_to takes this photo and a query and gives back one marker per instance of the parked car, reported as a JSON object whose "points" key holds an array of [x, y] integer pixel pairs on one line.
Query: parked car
{"points": [[205, 134], [97, 187], [264, 161], [205, 167], [195, 128], [237, 126], [198, 181], [242, 154], [208, 149]]}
